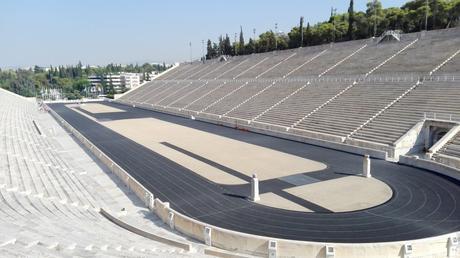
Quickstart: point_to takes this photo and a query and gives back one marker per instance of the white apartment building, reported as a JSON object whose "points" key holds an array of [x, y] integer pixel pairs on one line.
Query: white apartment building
{"points": [[113, 80], [130, 80]]}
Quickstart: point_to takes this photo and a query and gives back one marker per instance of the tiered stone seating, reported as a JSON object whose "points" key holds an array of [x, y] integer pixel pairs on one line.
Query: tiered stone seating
{"points": [[172, 88], [48, 206], [257, 105], [354, 107], [226, 103], [425, 55], [302, 103], [245, 66], [156, 89], [302, 58], [221, 68], [452, 148], [181, 91], [214, 95], [178, 71], [149, 87], [452, 67], [429, 97], [334, 55], [275, 59], [195, 94], [369, 57]]}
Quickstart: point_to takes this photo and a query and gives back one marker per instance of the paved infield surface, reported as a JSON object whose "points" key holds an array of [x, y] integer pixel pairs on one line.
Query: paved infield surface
{"points": [[423, 204]]}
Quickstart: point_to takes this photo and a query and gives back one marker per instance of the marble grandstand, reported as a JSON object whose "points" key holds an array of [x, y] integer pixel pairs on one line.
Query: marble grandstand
{"points": [[363, 93], [51, 192]]}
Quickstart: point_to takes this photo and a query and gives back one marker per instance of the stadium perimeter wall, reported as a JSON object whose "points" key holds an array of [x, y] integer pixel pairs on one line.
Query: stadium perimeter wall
{"points": [[259, 245]]}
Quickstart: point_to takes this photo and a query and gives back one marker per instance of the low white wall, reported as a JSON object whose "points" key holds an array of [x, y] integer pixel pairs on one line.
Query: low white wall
{"points": [[449, 161], [412, 141], [430, 165], [258, 245], [443, 141], [143, 233]]}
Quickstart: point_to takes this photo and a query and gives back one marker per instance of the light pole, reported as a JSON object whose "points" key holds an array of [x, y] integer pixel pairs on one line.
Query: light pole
{"points": [[333, 12], [301, 31], [236, 51], [276, 33], [190, 44], [254, 43], [375, 17], [426, 16], [202, 50]]}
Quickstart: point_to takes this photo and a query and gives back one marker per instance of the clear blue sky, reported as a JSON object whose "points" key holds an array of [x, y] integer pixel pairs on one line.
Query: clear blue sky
{"points": [[98, 32]]}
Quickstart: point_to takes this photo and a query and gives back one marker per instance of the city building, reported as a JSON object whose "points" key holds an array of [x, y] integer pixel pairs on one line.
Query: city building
{"points": [[117, 81], [130, 80]]}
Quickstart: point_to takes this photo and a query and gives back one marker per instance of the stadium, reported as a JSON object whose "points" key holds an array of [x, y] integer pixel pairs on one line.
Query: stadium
{"points": [[348, 149]]}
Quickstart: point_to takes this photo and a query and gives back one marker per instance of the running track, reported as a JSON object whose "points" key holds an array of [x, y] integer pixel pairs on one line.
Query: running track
{"points": [[423, 205]]}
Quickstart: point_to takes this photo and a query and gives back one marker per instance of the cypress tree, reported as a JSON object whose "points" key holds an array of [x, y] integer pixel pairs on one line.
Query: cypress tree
{"points": [[241, 45], [351, 20], [301, 31]]}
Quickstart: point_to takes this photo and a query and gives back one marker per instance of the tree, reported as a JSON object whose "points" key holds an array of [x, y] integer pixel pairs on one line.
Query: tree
{"points": [[374, 13], [454, 14], [394, 19], [210, 50], [241, 49], [351, 20], [282, 41], [307, 38], [227, 46], [301, 31], [295, 37], [221, 46], [250, 47], [266, 42]]}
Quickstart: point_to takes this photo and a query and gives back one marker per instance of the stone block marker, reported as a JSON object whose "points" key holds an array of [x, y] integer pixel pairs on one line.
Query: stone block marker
{"points": [[330, 251], [208, 236], [367, 166], [272, 249], [255, 188], [452, 246]]}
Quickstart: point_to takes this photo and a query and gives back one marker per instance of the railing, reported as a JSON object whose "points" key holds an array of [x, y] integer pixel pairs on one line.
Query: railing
{"points": [[393, 77], [441, 116]]}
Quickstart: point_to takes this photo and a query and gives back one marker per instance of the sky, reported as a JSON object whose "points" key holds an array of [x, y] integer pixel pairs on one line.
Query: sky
{"points": [[98, 32]]}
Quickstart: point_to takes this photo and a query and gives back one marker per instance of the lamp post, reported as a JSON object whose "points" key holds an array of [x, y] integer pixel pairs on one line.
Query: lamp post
{"points": [[333, 13], [426, 15], [301, 31], [254, 43], [276, 32], [236, 50], [190, 44], [202, 50], [375, 17]]}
